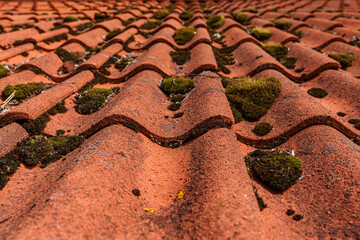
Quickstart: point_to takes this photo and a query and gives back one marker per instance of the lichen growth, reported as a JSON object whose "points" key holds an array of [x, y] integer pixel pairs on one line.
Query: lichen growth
{"points": [[184, 35], [252, 97], [150, 25], [345, 59], [278, 169], [241, 17], [317, 92], [3, 71], [262, 129], [150, 210], [70, 18], [282, 24], [186, 16], [177, 85], [260, 33], [215, 21], [23, 91], [161, 14], [180, 57], [92, 100], [180, 194]]}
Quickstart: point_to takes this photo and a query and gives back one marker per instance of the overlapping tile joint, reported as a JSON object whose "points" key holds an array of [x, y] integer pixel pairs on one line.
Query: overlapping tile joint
{"points": [[135, 142]]}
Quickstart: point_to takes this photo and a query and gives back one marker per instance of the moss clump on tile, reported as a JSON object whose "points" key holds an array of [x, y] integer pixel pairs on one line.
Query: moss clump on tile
{"points": [[24, 54], [186, 16], [3, 180], [317, 92], [85, 26], [299, 70], [241, 17], [3, 71], [112, 34], [177, 85], [215, 21], [299, 34], [180, 57], [184, 35], [253, 10], [23, 91], [17, 42], [282, 24], [341, 114], [58, 108], [150, 25], [66, 56], [345, 59], [92, 100], [355, 42], [279, 51], [252, 97], [357, 126], [178, 115], [174, 106], [70, 18], [99, 17], [176, 98], [128, 22], [161, 14], [9, 163], [35, 150], [236, 113], [278, 169], [57, 38], [354, 121], [260, 33], [125, 61], [262, 129], [223, 57]]}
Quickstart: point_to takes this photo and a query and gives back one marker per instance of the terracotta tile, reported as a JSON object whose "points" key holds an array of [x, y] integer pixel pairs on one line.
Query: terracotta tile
{"points": [[323, 24], [34, 107], [110, 25], [261, 22], [10, 136], [7, 39], [202, 58], [281, 36], [97, 60], [236, 35], [317, 39], [6, 54]]}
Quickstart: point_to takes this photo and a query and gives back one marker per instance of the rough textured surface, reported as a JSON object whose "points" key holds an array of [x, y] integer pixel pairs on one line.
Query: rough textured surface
{"points": [[146, 172]]}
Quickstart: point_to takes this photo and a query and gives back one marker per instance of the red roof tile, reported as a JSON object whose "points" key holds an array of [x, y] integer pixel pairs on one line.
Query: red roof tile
{"points": [[145, 171]]}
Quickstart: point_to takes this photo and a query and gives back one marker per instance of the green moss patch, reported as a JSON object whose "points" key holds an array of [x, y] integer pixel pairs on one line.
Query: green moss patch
{"points": [[161, 14], [58, 108], [178, 115], [100, 17], [253, 10], [3, 71], [345, 59], [215, 21], [223, 57], [354, 121], [128, 22], [70, 18], [92, 100], [252, 97], [57, 38], [177, 98], [17, 42], [174, 106], [278, 169], [85, 26], [186, 16], [66, 56], [180, 57], [177, 85], [23, 91], [3, 180], [241, 17], [112, 34], [279, 51], [260, 33], [262, 129], [282, 24], [317, 92], [184, 35], [124, 61], [150, 25], [355, 42]]}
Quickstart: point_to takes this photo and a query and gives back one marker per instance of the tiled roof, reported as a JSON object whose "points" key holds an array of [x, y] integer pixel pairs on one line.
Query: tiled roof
{"points": [[146, 172]]}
